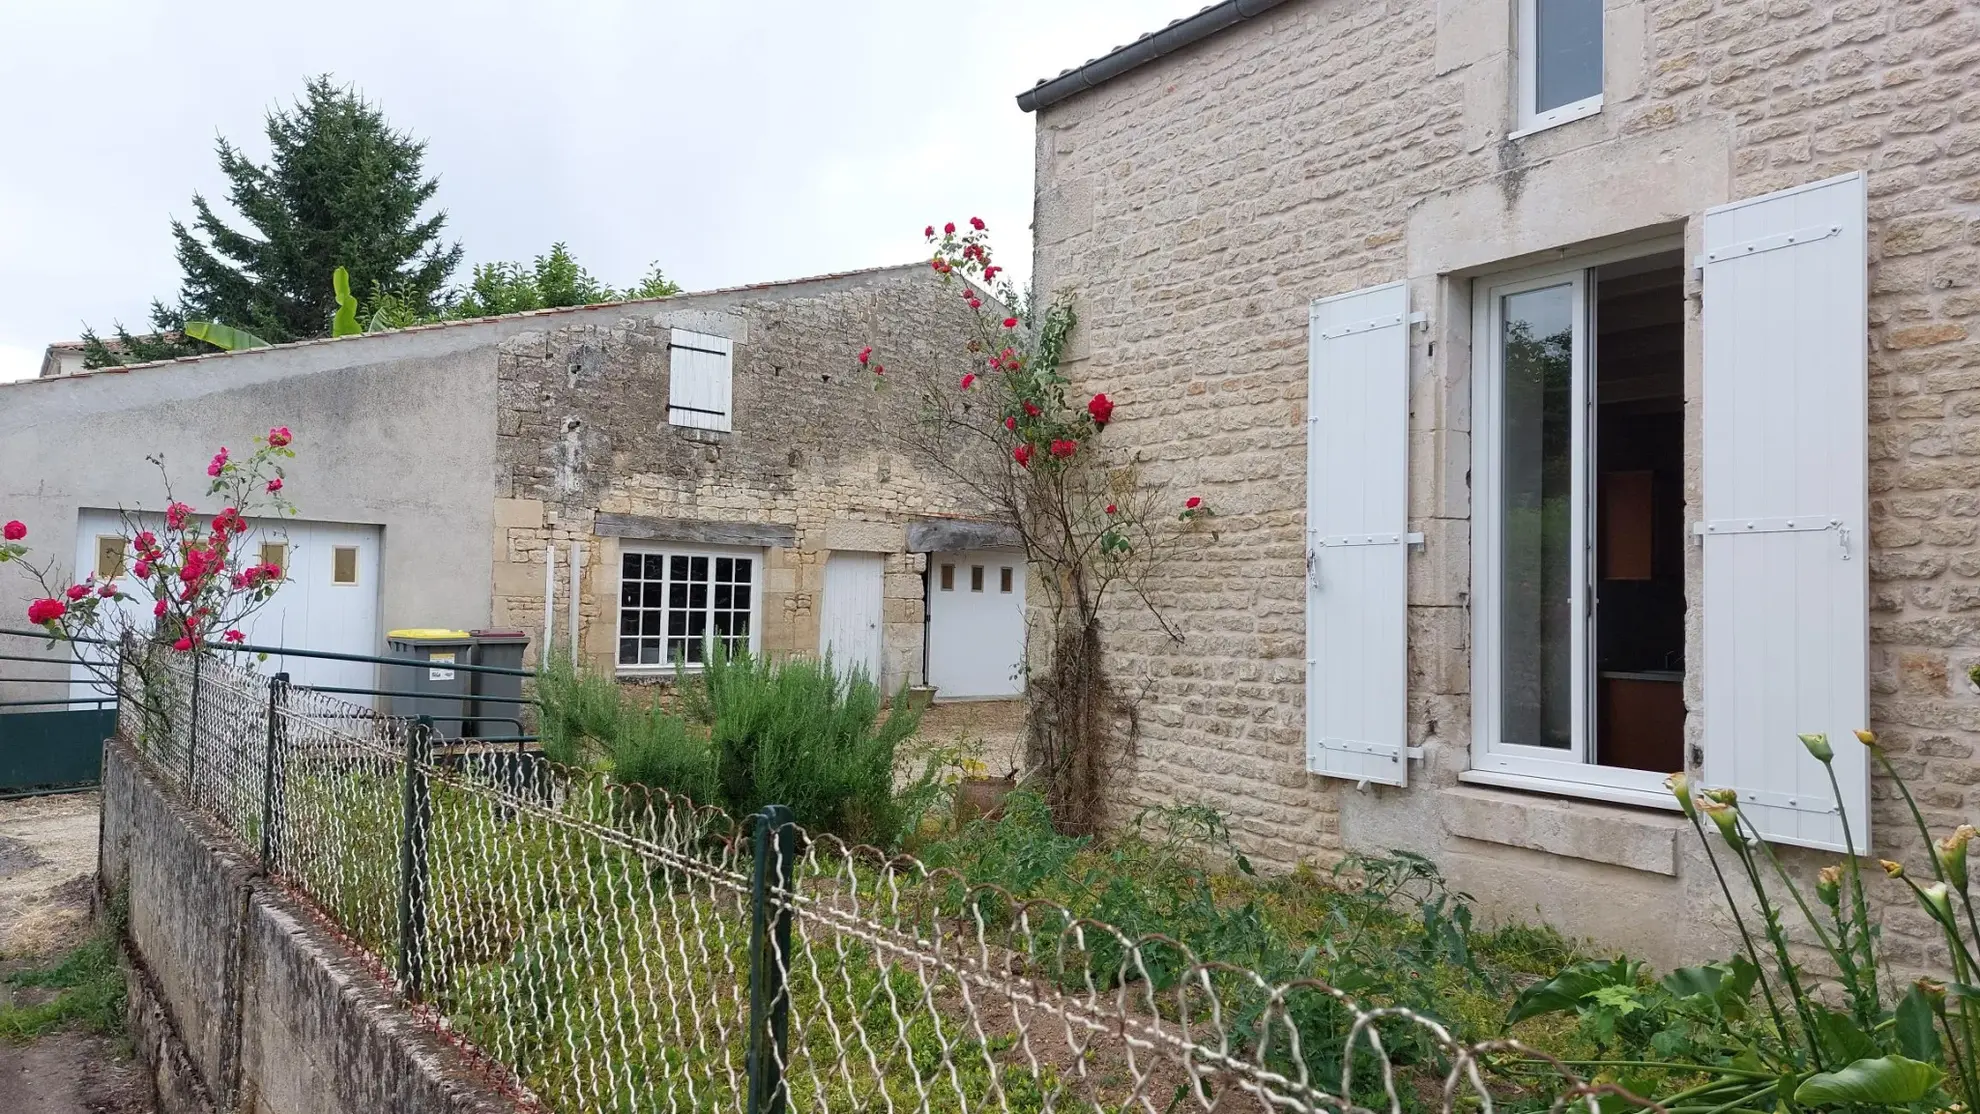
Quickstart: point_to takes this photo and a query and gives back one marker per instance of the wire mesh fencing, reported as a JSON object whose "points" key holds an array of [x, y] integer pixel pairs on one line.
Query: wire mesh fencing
{"points": [[603, 947]]}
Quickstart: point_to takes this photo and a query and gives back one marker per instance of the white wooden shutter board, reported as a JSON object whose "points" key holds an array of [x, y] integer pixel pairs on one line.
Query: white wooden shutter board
{"points": [[699, 383], [1357, 516], [1785, 505]]}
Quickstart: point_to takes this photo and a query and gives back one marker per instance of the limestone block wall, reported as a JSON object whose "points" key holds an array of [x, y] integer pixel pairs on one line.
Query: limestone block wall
{"points": [[1195, 206], [816, 454]]}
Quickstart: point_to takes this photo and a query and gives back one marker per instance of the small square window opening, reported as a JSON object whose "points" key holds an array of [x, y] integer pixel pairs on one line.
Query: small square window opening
{"points": [[1004, 580], [344, 565], [948, 578], [109, 557], [276, 554], [976, 578]]}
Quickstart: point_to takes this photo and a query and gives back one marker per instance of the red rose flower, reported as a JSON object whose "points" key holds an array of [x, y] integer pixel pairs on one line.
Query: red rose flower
{"points": [[107, 591], [949, 228], [866, 354], [1064, 449], [1022, 454], [976, 223], [175, 515], [967, 380], [277, 437], [43, 612], [218, 462], [1101, 408], [275, 485], [1010, 424], [1010, 322], [78, 591], [879, 370], [14, 531], [144, 540], [976, 303], [1111, 508], [1193, 502], [929, 232], [1031, 410], [142, 570], [158, 609], [234, 636], [183, 644], [990, 273]]}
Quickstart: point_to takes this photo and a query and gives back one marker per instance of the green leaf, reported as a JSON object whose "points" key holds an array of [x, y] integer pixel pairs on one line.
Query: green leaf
{"points": [[345, 323], [1842, 1037], [223, 336], [1564, 991], [1885, 1081], [1917, 1037]]}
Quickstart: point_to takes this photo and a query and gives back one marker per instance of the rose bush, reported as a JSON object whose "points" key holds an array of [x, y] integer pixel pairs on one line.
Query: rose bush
{"points": [[1009, 426], [196, 571]]}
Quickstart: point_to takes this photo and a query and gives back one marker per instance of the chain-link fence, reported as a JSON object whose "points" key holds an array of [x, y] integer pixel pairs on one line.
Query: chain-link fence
{"points": [[611, 948]]}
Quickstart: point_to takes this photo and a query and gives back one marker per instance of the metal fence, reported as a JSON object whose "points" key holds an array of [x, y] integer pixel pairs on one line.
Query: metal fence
{"points": [[608, 948]]}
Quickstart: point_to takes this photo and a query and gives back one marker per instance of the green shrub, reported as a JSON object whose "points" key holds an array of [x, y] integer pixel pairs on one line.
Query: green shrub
{"points": [[579, 713], [660, 751]]}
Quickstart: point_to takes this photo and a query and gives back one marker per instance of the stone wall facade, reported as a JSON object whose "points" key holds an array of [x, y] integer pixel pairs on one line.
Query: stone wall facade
{"points": [[1197, 204], [815, 449]]}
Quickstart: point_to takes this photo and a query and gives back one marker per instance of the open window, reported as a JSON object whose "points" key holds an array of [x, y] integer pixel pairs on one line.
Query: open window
{"points": [[1580, 517], [1559, 59]]}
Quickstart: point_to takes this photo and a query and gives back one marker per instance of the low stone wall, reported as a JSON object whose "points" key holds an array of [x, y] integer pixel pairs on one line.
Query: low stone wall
{"points": [[239, 1000]]}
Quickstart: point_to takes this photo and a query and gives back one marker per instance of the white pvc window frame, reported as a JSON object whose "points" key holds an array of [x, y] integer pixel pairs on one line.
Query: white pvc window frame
{"points": [[758, 577], [1526, 65], [1495, 759]]}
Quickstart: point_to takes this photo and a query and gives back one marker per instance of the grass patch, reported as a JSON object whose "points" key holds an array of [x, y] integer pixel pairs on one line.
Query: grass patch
{"points": [[89, 992]]}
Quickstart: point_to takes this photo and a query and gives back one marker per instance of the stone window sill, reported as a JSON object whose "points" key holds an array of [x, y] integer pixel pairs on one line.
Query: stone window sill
{"points": [[1615, 835]]}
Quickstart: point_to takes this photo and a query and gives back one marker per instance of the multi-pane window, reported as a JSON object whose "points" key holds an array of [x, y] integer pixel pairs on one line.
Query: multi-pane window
{"points": [[1560, 61], [673, 605]]}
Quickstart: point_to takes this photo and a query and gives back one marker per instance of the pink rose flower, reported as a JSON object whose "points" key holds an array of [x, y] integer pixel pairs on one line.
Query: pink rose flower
{"points": [[14, 531]]}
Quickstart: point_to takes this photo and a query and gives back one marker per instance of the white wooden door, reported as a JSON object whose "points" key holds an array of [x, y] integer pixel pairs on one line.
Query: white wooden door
{"points": [[849, 624], [976, 624], [328, 599]]}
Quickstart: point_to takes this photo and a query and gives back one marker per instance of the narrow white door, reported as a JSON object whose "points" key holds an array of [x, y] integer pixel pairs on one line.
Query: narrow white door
{"points": [[849, 624], [976, 624]]}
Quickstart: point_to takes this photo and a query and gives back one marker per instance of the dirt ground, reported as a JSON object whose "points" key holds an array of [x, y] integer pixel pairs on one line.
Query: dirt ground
{"points": [[47, 874]]}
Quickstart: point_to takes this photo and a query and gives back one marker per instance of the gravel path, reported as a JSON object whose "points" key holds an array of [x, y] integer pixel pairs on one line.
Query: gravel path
{"points": [[47, 874]]}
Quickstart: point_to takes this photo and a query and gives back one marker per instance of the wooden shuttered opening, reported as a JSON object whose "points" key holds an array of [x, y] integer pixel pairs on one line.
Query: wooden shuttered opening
{"points": [[1357, 514], [699, 380], [1786, 544]]}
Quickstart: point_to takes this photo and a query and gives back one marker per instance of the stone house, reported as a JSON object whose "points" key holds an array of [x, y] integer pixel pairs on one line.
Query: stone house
{"points": [[718, 463], [1587, 390]]}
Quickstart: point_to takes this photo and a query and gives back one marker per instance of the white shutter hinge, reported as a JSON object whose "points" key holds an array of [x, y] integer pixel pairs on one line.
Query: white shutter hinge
{"points": [[1382, 322], [1741, 250], [1793, 802], [1336, 541], [1420, 318], [1391, 751], [1785, 524], [1413, 752]]}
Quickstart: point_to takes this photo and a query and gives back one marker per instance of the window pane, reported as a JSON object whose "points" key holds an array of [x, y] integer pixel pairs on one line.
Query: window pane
{"points": [[976, 578], [723, 593], [724, 568], [699, 569], [655, 595], [677, 595], [679, 568], [742, 597], [628, 651], [629, 566], [628, 622], [629, 594], [697, 597], [649, 651], [656, 567], [1536, 622], [742, 570], [1004, 580], [948, 578], [649, 622], [1567, 63]]}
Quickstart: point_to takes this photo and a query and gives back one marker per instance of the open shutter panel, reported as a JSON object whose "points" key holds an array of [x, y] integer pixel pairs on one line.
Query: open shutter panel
{"points": [[699, 380], [1786, 493], [1357, 515]]}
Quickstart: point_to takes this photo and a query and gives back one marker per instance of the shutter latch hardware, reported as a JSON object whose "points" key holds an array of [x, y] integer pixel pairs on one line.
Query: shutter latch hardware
{"points": [[1801, 523]]}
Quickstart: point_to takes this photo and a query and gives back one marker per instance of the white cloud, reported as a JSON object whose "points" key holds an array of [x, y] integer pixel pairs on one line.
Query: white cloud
{"points": [[733, 143]]}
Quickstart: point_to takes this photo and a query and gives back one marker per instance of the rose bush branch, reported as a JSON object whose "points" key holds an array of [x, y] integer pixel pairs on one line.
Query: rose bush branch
{"points": [[1005, 423], [197, 570]]}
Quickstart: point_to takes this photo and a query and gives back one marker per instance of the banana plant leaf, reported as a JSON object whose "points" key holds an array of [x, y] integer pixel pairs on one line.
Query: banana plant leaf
{"points": [[223, 336], [1886, 1081], [345, 323]]}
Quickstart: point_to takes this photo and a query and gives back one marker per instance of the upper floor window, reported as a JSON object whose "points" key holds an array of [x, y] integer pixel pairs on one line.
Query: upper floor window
{"points": [[1560, 61]]}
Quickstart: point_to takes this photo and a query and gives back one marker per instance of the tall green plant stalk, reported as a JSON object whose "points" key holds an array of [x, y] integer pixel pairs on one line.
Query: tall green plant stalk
{"points": [[1863, 988], [1726, 816], [1680, 785]]}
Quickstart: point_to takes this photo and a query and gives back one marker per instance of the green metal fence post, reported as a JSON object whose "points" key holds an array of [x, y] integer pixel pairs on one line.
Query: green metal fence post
{"points": [[192, 734], [770, 892], [413, 858], [276, 685]]}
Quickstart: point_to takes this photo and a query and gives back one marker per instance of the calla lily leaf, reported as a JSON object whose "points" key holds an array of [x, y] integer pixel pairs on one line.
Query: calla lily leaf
{"points": [[345, 323], [1886, 1081], [223, 336]]}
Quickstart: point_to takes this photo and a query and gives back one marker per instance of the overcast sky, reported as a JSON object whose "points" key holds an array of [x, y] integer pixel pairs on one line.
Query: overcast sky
{"points": [[732, 141]]}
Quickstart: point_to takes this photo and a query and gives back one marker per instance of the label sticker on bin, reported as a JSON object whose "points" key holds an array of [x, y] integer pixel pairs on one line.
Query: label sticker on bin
{"points": [[435, 661]]}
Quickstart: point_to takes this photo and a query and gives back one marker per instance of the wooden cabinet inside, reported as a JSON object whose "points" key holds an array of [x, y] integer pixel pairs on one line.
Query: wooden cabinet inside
{"points": [[1642, 721]]}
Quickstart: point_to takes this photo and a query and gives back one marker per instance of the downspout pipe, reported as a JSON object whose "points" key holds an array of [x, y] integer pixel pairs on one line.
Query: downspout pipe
{"points": [[1146, 49]]}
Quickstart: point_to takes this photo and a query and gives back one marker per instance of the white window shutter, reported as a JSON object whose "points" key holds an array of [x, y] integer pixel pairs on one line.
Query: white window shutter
{"points": [[1357, 517], [1786, 492], [698, 387]]}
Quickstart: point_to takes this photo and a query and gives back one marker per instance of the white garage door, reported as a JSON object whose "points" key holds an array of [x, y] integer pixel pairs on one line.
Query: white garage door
{"points": [[849, 624], [976, 624], [328, 599]]}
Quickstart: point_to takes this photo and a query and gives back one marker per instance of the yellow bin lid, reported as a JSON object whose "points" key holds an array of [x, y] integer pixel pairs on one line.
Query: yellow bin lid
{"points": [[427, 634]]}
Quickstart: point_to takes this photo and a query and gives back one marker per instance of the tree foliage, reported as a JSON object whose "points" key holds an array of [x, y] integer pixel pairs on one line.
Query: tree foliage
{"points": [[341, 188]]}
